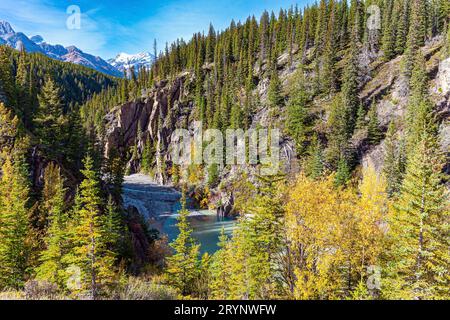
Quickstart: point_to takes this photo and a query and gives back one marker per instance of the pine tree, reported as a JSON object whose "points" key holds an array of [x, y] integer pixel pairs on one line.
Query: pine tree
{"points": [[52, 268], [89, 238], [182, 266], [14, 227]]}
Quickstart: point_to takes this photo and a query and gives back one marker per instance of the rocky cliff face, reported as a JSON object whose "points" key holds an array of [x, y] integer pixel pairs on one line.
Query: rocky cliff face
{"points": [[388, 87], [136, 122]]}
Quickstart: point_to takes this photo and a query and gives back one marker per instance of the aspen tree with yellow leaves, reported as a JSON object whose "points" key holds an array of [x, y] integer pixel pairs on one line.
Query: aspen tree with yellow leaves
{"points": [[313, 229], [335, 234]]}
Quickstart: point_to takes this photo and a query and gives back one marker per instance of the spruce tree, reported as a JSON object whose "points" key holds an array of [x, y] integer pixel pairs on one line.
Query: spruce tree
{"points": [[52, 267], [182, 266], [9, 124], [148, 156], [89, 238], [420, 109], [339, 132], [321, 27], [393, 168], [388, 40], [343, 173], [14, 227], [297, 119], [220, 274], [262, 238], [23, 85], [274, 95], [416, 35], [50, 121], [403, 8], [419, 253], [74, 139], [373, 128], [210, 44], [361, 122], [7, 88], [350, 86], [114, 174], [114, 227], [446, 49], [236, 121], [356, 20], [329, 72], [419, 228], [314, 164]]}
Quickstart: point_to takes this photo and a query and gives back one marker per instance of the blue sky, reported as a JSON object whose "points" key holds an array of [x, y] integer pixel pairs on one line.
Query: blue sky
{"points": [[113, 26]]}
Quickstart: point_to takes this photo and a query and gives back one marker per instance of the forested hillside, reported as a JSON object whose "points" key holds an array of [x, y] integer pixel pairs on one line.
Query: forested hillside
{"points": [[326, 58], [360, 209]]}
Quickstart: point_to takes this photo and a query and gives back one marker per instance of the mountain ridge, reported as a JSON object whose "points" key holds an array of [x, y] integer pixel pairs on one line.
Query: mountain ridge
{"points": [[72, 54]]}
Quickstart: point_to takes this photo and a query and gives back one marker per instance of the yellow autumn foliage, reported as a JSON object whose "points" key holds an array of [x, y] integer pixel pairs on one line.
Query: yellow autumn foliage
{"points": [[334, 234]]}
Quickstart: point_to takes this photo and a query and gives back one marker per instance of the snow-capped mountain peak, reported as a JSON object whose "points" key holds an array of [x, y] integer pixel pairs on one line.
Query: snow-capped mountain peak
{"points": [[5, 28], [125, 61]]}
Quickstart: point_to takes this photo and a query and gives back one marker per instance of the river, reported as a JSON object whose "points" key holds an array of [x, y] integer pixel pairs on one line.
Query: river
{"points": [[160, 205]]}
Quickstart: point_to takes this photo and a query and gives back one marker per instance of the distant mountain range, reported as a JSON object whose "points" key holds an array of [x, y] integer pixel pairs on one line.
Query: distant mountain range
{"points": [[125, 61], [72, 54]]}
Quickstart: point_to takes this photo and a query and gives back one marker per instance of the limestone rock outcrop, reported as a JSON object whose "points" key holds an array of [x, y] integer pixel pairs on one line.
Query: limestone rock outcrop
{"points": [[134, 123]]}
